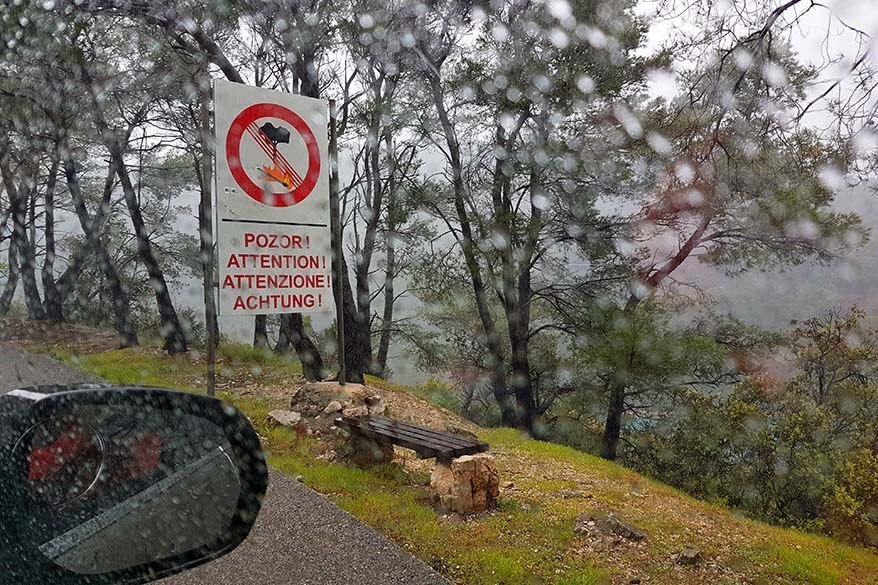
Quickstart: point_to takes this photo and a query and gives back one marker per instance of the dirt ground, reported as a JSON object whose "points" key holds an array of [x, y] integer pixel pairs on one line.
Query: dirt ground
{"points": [[60, 336]]}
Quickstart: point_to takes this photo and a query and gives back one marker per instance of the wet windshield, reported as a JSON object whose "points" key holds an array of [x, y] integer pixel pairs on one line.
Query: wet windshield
{"points": [[558, 233]]}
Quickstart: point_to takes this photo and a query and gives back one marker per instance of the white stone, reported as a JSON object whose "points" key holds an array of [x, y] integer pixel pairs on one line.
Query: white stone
{"points": [[333, 406], [285, 418]]}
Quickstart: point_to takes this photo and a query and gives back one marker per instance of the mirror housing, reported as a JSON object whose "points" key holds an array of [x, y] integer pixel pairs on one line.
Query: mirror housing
{"points": [[175, 443]]}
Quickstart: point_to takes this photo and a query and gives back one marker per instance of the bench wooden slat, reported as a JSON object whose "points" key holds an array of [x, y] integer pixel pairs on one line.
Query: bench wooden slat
{"points": [[401, 432], [426, 442], [426, 431], [427, 434]]}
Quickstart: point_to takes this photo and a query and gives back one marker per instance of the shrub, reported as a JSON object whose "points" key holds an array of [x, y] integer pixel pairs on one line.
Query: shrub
{"points": [[851, 508]]}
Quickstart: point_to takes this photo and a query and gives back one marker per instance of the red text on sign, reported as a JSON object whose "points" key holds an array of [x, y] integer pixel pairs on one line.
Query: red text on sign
{"points": [[285, 261], [267, 281], [273, 302], [284, 241]]}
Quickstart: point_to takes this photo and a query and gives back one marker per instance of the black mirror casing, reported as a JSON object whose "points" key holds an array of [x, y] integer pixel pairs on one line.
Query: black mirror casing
{"points": [[22, 562]]}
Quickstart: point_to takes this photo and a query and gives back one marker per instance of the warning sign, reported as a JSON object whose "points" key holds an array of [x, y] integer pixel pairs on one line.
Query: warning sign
{"points": [[272, 185]]}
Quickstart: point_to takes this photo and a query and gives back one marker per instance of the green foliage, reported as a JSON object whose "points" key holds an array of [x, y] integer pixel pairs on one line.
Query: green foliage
{"points": [[643, 350], [851, 508], [771, 446], [439, 393], [660, 365]]}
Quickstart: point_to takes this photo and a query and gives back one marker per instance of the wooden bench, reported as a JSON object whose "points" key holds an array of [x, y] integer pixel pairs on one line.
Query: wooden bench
{"points": [[427, 443]]}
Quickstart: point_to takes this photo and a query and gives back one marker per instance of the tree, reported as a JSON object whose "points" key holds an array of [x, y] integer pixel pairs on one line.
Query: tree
{"points": [[744, 191], [771, 446], [505, 208], [851, 509]]}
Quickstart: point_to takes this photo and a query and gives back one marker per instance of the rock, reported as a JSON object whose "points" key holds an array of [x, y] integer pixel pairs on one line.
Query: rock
{"points": [[300, 478], [333, 407], [607, 524], [634, 581], [508, 485], [466, 485], [355, 411], [285, 418], [377, 408], [689, 557], [366, 451]]}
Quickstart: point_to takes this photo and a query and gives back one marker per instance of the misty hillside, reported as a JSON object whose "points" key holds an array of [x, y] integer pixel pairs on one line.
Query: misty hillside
{"points": [[772, 299]]}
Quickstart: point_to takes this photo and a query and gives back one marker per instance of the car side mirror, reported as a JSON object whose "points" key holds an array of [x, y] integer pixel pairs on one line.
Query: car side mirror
{"points": [[128, 485]]}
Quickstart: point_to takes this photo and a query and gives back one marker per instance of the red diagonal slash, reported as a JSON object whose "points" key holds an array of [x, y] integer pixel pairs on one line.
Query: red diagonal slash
{"points": [[269, 148], [277, 157]]}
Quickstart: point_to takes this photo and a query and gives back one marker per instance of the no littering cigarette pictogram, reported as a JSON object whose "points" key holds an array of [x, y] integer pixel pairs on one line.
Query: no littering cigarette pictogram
{"points": [[293, 186]]}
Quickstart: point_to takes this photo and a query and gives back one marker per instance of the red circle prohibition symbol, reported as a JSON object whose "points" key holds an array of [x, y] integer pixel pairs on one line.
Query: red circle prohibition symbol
{"points": [[233, 155]]}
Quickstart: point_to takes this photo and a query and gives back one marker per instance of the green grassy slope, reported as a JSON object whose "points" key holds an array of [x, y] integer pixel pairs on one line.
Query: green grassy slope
{"points": [[530, 539]]}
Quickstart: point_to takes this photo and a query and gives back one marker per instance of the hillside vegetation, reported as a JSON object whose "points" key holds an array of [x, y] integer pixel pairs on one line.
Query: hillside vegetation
{"points": [[544, 487]]}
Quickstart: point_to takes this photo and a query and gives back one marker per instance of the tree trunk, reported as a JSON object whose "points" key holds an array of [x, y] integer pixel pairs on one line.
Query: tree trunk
{"points": [[469, 393], [373, 200], [357, 349], [515, 293], [93, 229], [467, 244], [53, 303], [356, 359], [306, 71], [390, 259], [169, 324], [387, 316], [26, 257], [169, 328], [11, 279], [260, 331], [18, 203], [292, 333], [67, 280], [292, 325], [520, 382], [285, 334], [613, 423], [616, 404]]}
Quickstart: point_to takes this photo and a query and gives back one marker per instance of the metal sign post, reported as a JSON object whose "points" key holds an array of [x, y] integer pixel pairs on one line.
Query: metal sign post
{"points": [[337, 250], [205, 221]]}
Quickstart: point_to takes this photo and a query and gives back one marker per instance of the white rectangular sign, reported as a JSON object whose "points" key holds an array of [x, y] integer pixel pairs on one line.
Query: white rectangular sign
{"points": [[272, 186]]}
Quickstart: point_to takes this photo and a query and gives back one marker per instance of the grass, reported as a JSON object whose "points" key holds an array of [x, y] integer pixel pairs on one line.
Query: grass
{"points": [[388, 500], [236, 363], [129, 366], [529, 539], [805, 566]]}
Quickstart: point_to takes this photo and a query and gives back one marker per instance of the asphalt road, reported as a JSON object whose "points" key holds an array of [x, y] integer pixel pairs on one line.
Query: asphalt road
{"points": [[299, 538]]}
